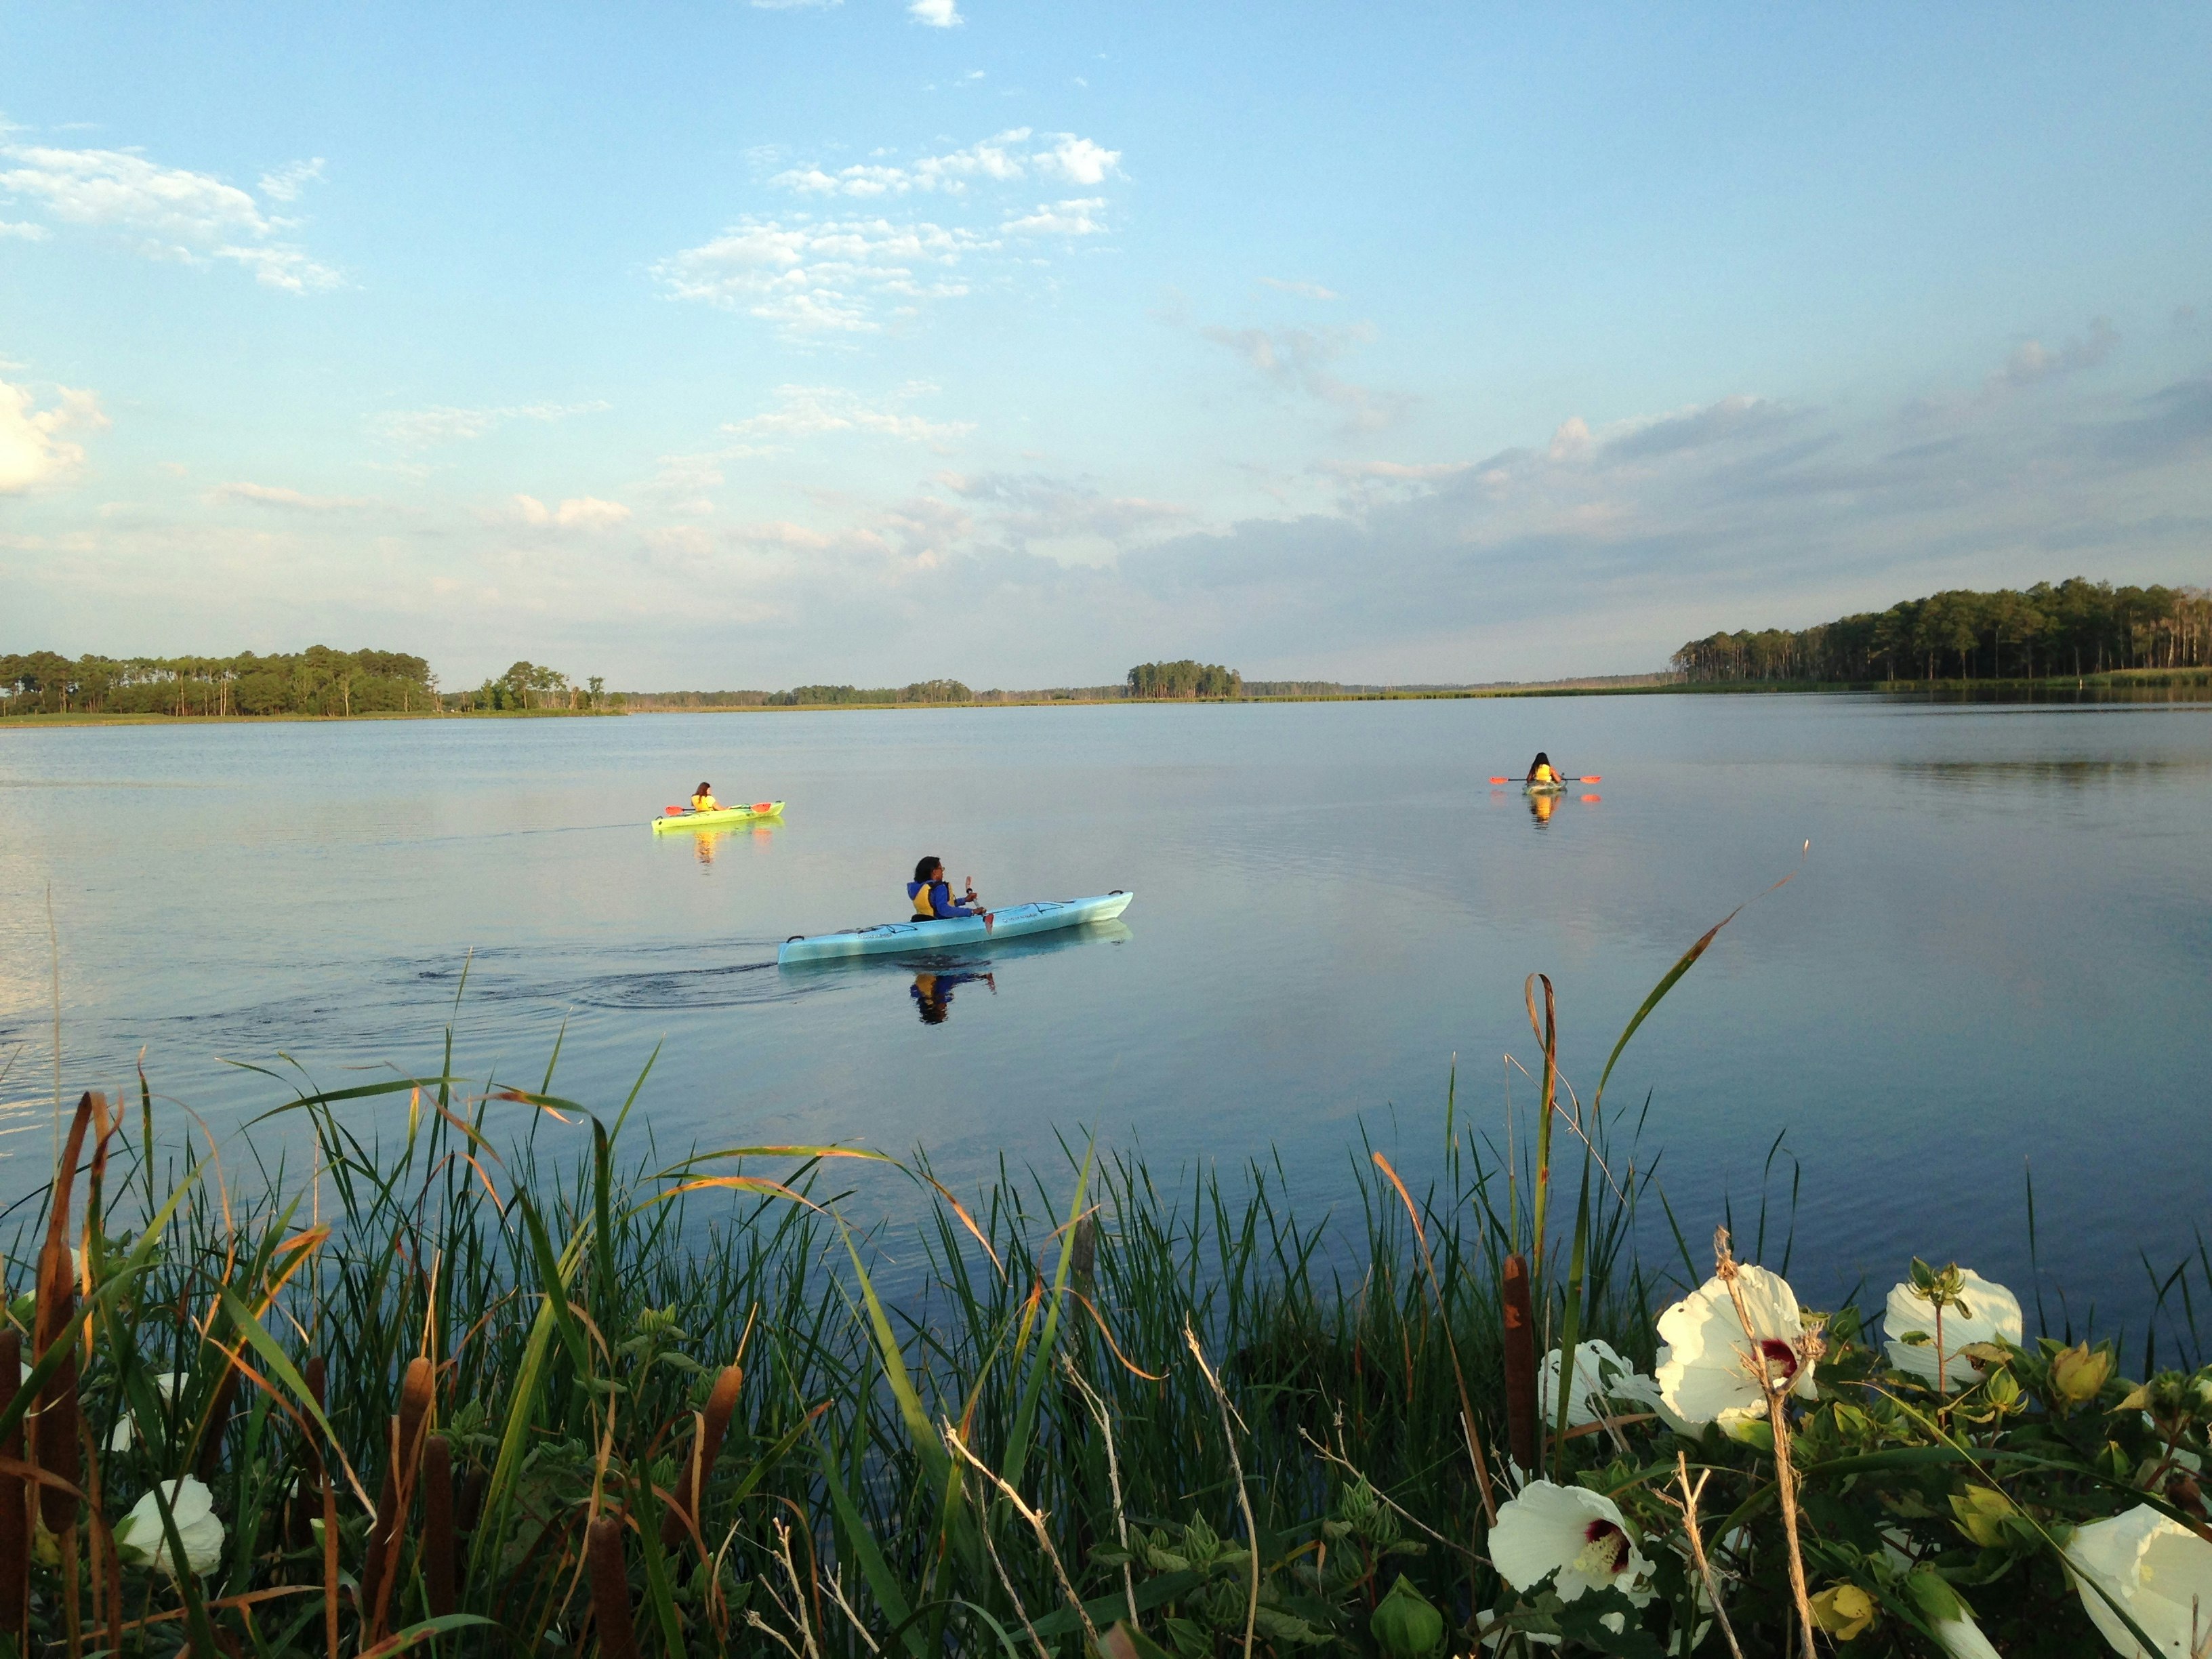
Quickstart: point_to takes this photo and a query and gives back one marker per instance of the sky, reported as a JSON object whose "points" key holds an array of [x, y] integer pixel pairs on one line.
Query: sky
{"points": [[743, 345]]}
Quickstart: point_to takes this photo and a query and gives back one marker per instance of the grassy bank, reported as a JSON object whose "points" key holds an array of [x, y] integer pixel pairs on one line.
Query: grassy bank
{"points": [[501, 1381]]}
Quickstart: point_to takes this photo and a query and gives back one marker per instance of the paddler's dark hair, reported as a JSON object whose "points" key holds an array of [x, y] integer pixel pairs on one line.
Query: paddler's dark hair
{"points": [[703, 787], [921, 870], [1542, 759]]}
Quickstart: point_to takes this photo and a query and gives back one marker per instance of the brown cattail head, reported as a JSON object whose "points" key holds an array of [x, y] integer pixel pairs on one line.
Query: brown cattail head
{"points": [[1083, 1252], [405, 1448], [14, 1510], [610, 1589], [55, 1439], [438, 1557], [1523, 1430], [381, 1529], [713, 1424]]}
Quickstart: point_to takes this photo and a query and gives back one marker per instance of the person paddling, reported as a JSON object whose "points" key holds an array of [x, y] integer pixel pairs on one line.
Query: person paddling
{"points": [[933, 895], [702, 799], [1540, 770]]}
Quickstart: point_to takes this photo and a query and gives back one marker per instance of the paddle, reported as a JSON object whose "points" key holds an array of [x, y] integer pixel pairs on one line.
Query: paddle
{"points": [[1591, 778]]}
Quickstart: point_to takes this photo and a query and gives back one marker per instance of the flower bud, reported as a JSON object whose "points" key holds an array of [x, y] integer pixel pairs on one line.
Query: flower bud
{"points": [[1981, 1512], [1844, 1611], [1404, 1625], [2078, 1373]]}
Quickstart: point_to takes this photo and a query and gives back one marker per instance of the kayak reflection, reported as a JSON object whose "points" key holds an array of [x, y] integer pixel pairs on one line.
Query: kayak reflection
{"points": [[707, 840], [1544, 800], [932, 992], [933, 976]]}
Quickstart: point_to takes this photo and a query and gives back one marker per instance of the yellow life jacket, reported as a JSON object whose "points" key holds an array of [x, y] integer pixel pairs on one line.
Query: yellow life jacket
{"points": [[705, 804], [1544, 774]]}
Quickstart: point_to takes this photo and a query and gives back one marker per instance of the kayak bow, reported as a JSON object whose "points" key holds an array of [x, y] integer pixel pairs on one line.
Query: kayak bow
{"points": [[759, 809], [1013, 922]]}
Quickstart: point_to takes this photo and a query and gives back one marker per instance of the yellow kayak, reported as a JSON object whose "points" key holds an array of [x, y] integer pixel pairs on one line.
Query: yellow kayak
{"points": [[677, 819]]}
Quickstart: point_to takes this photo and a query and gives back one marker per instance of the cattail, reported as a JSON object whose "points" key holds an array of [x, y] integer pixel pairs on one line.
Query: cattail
{"points": [[56, 1322], [706, 1446], [610, 1589], [14, 1511], [1083, 1252], [406, 1445], [438, 1559], [1522, 1430]]}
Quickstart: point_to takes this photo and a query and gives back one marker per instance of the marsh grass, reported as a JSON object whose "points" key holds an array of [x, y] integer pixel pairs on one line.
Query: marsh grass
{"points": [[499, 1380]]}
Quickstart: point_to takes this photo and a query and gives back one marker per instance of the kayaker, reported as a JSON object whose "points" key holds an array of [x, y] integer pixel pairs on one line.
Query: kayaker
{"points": [[702, 799], [933, 895], [1540, 770]]}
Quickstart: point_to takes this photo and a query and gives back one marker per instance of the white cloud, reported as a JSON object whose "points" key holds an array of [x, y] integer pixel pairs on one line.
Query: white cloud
{"points": [[1303, 290], [578, 512], [288, 181], [991, 159], [1076, 218], [839, 275], [287, 268], [1079, 161], [24, 229], [938, 14], [821, 276], [810, 411], [419, 428], [167, 212], [32, 451], [278, 495]]}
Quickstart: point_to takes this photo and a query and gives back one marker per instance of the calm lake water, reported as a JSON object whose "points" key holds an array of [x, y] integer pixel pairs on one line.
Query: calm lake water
{"points": [[1995, 956]]}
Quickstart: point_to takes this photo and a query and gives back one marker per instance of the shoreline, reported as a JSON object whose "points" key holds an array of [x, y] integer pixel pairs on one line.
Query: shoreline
{"points": [[2092, 687]]}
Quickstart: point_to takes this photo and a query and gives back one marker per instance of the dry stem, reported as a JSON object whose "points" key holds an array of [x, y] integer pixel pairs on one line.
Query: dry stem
{"points": [[1778, 1415], [1236, 1465], [1689, 1507]]}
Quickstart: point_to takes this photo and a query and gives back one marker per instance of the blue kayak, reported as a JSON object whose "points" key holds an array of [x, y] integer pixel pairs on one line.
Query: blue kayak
{"points": [[1013, 922]]}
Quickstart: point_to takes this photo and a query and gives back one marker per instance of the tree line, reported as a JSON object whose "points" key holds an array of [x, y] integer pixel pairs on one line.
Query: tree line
{"points": [[1185, 678], [533, 685], [316, 681], [2073, 628]]}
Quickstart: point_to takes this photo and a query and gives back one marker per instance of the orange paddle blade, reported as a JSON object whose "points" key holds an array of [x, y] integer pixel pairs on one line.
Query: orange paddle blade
{"points": [[1501, 780], [1592, 778]]}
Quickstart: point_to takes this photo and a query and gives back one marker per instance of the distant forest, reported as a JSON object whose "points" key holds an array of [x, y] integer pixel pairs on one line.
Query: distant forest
{"points": [[2073, 628], [316, 681], [1185, 678]]}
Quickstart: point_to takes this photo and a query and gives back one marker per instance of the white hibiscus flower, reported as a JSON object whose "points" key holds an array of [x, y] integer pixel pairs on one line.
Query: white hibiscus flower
{"points": [[1579, 1534], [125, 1430], [1601, 1375], [1710, 1368], [2155, 1567], [140, 1539], [1991, 1313]]}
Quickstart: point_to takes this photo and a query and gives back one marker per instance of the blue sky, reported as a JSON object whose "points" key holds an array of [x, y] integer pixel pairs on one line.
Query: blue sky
{"points": [[741, 344]]}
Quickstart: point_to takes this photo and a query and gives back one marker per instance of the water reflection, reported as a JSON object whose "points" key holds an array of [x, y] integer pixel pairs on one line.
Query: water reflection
{"points": [[1543, 803], [936, 974], [932, 992], [706, 841]]}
